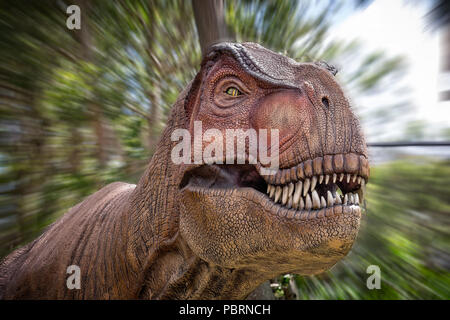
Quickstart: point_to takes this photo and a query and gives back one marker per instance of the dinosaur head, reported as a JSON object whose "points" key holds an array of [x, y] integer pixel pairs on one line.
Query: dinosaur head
{"points": [[303, 216]]}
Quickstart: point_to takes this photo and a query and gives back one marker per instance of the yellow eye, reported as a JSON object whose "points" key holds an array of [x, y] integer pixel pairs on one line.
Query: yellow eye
{"points": [[232, 91]]}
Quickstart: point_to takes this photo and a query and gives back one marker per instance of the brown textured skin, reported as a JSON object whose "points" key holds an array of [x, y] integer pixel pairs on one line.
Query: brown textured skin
{"points": [[157, 241]]}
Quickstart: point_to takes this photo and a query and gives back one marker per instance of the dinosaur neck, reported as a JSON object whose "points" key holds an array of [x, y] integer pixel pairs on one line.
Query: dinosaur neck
{"points": [[153, 217], [165, 266], [175, 272]]}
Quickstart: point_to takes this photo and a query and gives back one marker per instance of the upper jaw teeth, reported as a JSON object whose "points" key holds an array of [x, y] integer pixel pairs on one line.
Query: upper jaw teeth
{"points": [[303, 194]]}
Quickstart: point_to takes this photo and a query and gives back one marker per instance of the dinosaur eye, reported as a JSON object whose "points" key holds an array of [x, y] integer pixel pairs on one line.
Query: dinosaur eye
{"points": [[232, 91], [229, 91]]}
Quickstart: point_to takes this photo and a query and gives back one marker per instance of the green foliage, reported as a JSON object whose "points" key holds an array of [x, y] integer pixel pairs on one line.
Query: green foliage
{"points": [[286, 26], [404, 231]]}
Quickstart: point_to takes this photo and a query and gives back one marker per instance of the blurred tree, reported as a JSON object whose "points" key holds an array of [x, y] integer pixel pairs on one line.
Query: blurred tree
{"points": [[438, 18], [439, 14], [25, 67], [210, 22], [415, 130]]}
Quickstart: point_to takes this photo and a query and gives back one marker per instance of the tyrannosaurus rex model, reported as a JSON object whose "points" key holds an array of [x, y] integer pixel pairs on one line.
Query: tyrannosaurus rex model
{"points": [[200, 230]]}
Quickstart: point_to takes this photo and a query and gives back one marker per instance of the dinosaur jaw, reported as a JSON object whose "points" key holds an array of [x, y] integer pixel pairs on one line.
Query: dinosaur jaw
{"points": [[295, 193], [235, 205], [320, 183]]}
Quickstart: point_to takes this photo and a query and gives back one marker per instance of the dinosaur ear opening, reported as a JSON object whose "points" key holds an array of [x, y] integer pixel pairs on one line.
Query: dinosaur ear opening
{"points": [[325, 65]]}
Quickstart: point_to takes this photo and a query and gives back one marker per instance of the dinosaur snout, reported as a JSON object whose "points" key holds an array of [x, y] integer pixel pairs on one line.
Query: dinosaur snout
{"points": [[285, 110], [318, 100], [292, 112], [312, 122]]}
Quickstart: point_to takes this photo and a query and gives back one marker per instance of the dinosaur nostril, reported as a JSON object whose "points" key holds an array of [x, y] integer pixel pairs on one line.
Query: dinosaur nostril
{"points": [[325, 102]]}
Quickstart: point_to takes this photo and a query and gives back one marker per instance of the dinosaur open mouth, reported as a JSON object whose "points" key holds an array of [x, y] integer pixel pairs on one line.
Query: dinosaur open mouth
{"points": [[307, 190]]}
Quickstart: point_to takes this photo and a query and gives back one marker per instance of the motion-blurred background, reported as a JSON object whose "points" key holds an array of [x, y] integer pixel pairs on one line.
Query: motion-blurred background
{"points": [[82, 108]]}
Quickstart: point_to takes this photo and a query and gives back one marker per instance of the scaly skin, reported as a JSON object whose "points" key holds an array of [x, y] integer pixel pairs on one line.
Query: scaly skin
{"points": [[197, 231]]}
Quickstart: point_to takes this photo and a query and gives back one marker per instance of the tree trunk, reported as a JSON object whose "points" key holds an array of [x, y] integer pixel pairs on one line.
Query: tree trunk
{"points": [[29, 177], [85, 39], [154, 95], [210, 22], [99, 129], [154, 117]]}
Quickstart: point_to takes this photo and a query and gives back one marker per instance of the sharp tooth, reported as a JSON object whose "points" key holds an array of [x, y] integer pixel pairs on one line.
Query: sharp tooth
{"points": [[289, 204], [298, 192], [354, 178], [338, 199], [323, 203], [315, 200], [350, 198], [334, 177], [341, 177], [272, 191], [330, 200], [302, 204], [313, 182], [277, 193], [308, 203], [306, 186], [285, 195], [268, 189], [321, 179], [359, 180], [363, 189], [327, 178], [295, 205], [348, 177], [356, 198], [291, 189], [345, 199], [360, 195]]}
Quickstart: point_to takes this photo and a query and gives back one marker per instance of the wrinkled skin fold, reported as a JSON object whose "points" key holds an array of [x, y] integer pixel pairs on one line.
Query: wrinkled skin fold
{"points": [[216, 231]]}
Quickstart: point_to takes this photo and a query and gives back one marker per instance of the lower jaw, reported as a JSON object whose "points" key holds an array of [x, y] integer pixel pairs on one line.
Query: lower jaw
{"points": [[280, 210], [319, 213], [313, 213], [266, 237]]}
